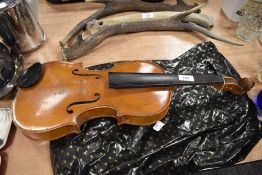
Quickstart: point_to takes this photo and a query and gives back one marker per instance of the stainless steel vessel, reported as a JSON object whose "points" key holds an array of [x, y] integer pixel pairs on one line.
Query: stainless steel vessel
{"points": [[17, 19]]}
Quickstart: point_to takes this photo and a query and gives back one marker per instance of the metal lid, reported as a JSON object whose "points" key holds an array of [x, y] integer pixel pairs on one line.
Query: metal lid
{"points": [[5, 4]]}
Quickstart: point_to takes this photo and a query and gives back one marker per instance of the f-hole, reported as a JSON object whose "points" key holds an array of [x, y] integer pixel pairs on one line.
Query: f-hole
{"points": [[75, 72], [71, 111]]}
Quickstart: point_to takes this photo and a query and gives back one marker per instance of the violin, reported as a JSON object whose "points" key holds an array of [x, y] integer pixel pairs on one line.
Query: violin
{"points": [[135, 93]]}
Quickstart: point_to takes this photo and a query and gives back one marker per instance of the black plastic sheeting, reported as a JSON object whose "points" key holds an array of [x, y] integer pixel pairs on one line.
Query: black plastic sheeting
{"points": [[203, 128], [249, 168]]}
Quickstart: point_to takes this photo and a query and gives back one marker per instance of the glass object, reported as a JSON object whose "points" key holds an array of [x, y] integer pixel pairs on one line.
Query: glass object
{"points": [[34, 6], [249, 24], [231, 8]]}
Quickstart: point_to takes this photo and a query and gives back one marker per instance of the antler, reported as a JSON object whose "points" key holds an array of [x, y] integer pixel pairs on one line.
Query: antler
{"points": [[102, 29], [118, 6]]}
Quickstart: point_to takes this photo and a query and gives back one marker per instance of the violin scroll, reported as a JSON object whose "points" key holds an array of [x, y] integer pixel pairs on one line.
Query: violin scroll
{"points": [[230, 84]]}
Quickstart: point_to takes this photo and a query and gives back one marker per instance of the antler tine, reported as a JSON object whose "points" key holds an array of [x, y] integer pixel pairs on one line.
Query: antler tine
{"points": [[81, 26], [188, 12], [194, 27], [181, 2]]}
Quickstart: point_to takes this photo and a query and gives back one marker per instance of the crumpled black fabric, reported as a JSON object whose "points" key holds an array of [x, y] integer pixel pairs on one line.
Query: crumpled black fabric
{"points": [[204, 128]]}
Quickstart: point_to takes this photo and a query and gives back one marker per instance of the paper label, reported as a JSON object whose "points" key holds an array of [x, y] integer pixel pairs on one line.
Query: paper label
{"points": [[147, 15], [186, 77], [250, 4], [158, 126]]}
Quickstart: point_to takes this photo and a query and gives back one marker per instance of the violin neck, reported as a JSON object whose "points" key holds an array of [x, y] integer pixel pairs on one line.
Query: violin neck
{"points": [[139, 80], [122, 80]]}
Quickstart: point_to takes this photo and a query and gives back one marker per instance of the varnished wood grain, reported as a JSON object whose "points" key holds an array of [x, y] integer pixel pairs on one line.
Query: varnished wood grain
{"points": [[25, 156], [49, 117]]}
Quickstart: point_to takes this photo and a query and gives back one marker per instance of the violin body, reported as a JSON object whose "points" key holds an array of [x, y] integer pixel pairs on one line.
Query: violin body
{"points": [[67, 95]]}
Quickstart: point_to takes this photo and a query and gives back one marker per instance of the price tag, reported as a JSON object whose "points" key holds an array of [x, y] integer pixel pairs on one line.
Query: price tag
{"points": [[158, 126], [147, 15], [186, 78]]}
